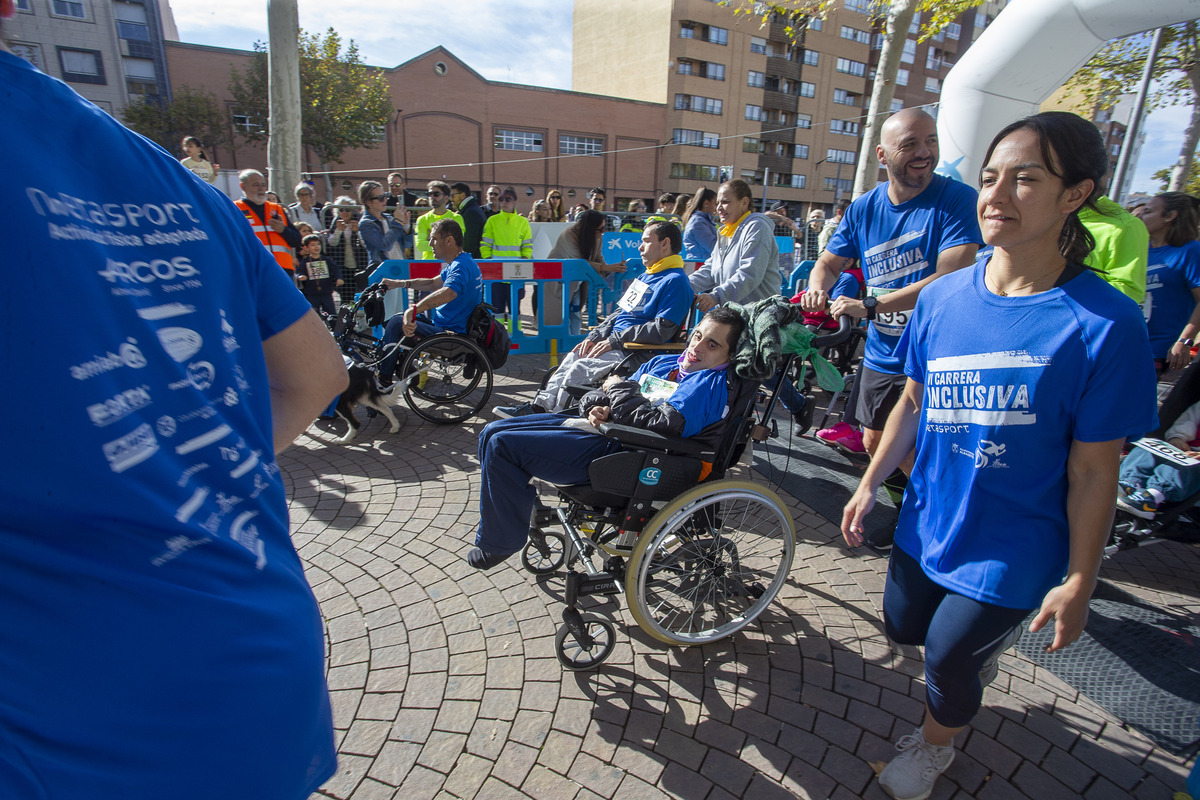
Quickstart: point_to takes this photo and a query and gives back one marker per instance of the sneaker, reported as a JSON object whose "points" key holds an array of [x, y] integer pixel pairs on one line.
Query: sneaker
{"points": [[1141, 503], [831, 435], [1125, 489], [852, 442], [991, 667], [522, 410], [911, 775], [881, 540]]}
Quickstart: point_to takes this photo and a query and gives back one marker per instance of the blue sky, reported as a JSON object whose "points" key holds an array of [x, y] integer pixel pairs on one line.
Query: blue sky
{"points": [[521, 41]]}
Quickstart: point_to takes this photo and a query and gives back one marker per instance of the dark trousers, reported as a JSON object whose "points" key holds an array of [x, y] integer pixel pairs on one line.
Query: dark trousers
{"points": [[512, 452]]}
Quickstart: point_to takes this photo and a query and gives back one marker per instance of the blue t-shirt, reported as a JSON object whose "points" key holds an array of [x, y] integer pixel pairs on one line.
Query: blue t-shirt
{"points": [[157, 635], [1172, 274], [1009, 383], [898, 245], [463, 276], [701, 397], [666, 294]]}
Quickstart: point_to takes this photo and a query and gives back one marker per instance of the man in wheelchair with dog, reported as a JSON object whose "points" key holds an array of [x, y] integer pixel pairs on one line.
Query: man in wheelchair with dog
{"points": [[652, 312], [682, 396], [451, 298]]}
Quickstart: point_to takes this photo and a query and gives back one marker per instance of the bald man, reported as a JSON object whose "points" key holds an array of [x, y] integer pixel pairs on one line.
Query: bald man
{"points": [[906, 233]]}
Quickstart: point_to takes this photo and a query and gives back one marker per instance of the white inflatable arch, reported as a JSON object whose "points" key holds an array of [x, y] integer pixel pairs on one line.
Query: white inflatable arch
{"points": [[1029, 51]]}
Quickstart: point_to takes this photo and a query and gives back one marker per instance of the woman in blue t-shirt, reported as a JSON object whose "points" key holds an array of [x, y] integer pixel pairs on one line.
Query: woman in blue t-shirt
{"points": [[1172, 304], [1025, 375]]}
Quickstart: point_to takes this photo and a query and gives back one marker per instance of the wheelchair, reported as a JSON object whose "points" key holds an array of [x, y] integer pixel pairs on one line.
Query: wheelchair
{"points": [[698, 556], [446, 378]]}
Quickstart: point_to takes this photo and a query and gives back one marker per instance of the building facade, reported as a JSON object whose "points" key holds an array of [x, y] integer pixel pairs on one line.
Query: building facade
{"points": [[110, 51]]}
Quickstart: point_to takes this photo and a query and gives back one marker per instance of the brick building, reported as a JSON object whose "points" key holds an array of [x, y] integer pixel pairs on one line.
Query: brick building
{"points": [[452, 124]]}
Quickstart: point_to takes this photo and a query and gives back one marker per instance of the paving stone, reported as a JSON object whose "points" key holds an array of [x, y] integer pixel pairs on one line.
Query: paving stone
{"points": [[1042, 785], [600, 778], [1072, 772], [850, 770], [1115, 769], [993, 755]]}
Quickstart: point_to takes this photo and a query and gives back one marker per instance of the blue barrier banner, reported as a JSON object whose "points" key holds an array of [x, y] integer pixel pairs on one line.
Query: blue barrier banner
{"points": [[620, 247], [549, 278]]}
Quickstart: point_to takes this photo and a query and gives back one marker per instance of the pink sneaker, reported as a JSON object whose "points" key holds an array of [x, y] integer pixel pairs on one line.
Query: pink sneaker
{"points": [[851, 442], [831, 435]]}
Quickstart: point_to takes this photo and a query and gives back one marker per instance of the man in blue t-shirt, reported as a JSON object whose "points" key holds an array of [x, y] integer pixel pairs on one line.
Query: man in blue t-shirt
{"points": [[453, 294], [157, 635], [906, 233], [653, 310]]}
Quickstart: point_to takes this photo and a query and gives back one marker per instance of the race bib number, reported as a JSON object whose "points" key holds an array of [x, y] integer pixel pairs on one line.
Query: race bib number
{"points": [[656, 389], [634, 296], [318, 270], [890, 323], [1167, 452]]}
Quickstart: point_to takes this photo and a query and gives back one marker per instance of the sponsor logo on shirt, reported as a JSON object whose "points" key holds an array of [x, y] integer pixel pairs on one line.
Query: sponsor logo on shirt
{"points": [[127, 355], [148, 271], [131, 449], [119, 406], [960, 391], [180, 343]]}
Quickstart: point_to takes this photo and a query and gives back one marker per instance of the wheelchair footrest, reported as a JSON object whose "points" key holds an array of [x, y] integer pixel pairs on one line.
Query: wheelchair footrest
{"points": [[580, 584]]}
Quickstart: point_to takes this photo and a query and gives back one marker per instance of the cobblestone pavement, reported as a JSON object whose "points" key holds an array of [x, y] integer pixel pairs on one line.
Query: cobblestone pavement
{"points": [[445, 684]]}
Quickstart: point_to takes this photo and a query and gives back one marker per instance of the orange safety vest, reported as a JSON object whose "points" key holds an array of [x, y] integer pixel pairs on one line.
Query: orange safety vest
{"points": [[266, 234]]}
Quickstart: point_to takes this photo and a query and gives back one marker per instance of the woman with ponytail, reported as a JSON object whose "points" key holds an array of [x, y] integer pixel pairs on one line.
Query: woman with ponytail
{"points": [[1172, 306], [1025, 376]]}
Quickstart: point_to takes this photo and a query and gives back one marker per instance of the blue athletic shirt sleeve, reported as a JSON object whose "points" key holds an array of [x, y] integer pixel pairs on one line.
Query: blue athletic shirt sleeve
{"points": [[701, 397]]}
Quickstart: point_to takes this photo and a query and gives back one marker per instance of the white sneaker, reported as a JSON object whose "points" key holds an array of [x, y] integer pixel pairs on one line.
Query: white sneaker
{"points": [[911, 775]]}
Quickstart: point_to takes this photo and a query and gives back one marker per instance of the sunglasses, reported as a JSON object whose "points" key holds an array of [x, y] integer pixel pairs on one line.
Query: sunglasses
{"points": [[376, 197]]}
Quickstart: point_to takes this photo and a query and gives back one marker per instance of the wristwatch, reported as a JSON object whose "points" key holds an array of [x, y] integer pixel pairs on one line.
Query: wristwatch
{"points": [[869, 303], [1186, 342]]}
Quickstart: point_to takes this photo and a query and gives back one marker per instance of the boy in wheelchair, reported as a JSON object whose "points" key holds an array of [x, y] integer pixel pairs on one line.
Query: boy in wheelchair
{"points": [[653, 311], [451, 298], [685, 396]]}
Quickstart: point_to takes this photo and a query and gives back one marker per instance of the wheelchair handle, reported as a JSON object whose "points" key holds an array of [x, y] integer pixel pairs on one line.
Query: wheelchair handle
{"points": [[845, 326]]}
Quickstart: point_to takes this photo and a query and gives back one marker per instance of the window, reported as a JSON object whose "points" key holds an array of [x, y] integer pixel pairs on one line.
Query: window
{"points": [[933, 85], [842, 126], [914, 27], [811, 57], [570, 145], [717, 35], [798, 182], [953, 30], [696, 138], [379, 133], [704, 105], [707, 33], [755, 79], [981, 20], [695, 172], [862, 6], [855, 35], [140, 68], [30, 52], [751, 144], [815, 23], [246, 123], [897, 105], [774, 84], [757, 45], [1115, 149], [840, 156], [754, 113], [752, 177], [687, 30], [902, 77], [528, 141], [851, 67], [808, 89], [877, 41], [801, 151], [842, 97], [804, 121], [131, 22], [68, 8], [27, 7], [703, 69], [933, 59], [81, 66], [910, 52], [844, 185]]}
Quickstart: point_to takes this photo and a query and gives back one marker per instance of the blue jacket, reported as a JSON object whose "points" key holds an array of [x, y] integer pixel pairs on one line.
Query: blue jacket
{"points": [[378, 243]]}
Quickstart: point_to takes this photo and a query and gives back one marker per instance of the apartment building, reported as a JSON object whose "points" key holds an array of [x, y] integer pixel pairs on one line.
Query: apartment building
{"points": [[110, 51], [780, 105]]}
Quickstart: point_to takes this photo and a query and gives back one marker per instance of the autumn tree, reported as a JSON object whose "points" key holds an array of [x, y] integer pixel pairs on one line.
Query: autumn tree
{"points": [[343, 103], [1118, 67], [191, 112]]}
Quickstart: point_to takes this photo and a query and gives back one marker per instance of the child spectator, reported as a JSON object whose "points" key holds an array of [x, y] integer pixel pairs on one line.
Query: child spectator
{"points": [[316, 275], [1147, 480]]}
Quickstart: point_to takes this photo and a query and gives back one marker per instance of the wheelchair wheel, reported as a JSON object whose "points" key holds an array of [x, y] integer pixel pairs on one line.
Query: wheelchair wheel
{"points": [[454, 378], [710, 562], [573, 655], [545, 556]]}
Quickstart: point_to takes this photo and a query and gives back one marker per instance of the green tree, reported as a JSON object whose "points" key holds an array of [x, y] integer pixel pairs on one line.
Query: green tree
{"points": [[191, 112], [1118, 67], [1192, 186], [896, 17], [343, 103]]}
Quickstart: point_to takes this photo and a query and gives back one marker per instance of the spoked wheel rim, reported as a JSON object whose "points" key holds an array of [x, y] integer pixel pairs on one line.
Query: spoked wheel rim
{"points": [[572, 655], [545, 556], [446, 379], [710, 562]]}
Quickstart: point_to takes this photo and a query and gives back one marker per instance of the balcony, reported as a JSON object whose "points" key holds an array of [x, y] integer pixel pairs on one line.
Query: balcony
{"points": [[771, 133], [779, 165], [778, 65], [780, 101]]}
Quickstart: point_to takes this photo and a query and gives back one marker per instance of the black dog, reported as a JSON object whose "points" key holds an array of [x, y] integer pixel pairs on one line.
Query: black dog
{"points": [[363, 389]]}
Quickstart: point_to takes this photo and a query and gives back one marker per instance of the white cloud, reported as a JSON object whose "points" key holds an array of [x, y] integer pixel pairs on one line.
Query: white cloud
{"points": [[522, 41]]}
